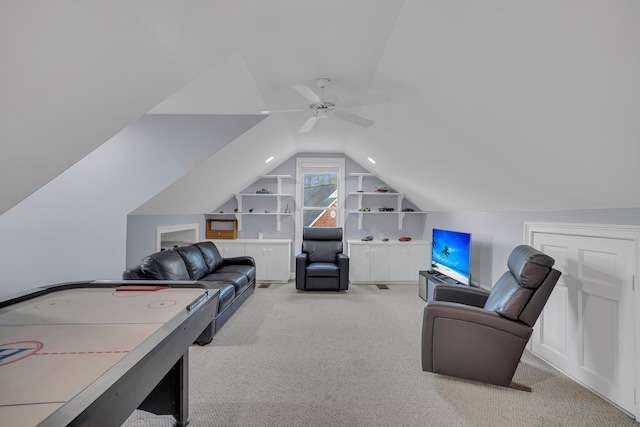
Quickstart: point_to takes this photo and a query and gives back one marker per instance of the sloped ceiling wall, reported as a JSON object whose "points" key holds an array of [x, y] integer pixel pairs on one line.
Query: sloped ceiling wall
{"points": [[76, 73], [494, 105], [510, 106]]}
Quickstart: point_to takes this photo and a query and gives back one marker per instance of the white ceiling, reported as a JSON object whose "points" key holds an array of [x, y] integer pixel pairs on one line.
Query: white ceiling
{"points": [[494, 105]]}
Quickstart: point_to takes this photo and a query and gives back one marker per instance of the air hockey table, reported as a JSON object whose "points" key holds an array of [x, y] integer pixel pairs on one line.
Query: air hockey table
{"points": [[90, 353]]}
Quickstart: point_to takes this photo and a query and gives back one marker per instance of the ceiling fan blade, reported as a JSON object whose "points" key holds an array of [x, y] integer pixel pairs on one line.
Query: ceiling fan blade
{"points": [[352, 118], [309, 124], [308, 93], [288, 110], [366, 100]]}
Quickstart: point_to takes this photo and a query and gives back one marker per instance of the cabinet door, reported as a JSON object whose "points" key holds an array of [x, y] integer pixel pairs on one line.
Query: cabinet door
{"points": [[273, 260], [359, 263], [230, 250], [260, 255], [420, 259], [379, 263], [279, 262], [400, 263]]}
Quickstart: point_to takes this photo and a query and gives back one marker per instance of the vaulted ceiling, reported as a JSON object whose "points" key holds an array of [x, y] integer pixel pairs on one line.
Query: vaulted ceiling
{"points": [[494, 105]]}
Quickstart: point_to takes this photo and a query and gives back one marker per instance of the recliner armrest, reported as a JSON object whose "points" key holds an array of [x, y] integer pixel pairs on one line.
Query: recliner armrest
{"points": [[302, 260], [461, 294], [341, 259], [474, 315]]}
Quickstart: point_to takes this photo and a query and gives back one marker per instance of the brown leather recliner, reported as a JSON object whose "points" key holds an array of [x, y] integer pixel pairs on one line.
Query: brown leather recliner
{"points": [[480, 335]]}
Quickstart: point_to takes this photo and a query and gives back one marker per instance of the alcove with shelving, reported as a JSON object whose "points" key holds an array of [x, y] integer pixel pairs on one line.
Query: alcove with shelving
{"points": [[266, 197], [378, 200]]}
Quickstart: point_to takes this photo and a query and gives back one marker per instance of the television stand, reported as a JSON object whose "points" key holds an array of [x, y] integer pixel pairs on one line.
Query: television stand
{"points": [[428, 280]]}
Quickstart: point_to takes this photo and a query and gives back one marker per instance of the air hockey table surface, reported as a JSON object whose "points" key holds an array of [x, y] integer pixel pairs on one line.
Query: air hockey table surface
{"points": [[89, 353]]}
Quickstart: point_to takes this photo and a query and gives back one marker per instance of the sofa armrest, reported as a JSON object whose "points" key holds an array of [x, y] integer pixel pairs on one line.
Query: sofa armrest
{"points": [[461, 294], [133, 274], [239, 260]]}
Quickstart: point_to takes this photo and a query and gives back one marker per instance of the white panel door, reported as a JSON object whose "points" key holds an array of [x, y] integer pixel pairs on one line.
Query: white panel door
{"points": [[587, 327]]}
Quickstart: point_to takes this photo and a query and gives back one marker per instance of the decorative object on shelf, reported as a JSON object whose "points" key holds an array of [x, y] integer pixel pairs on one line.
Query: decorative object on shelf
{"points": [[386, 209], [364, 210], [263, 191], [381, 189], [286, 210], [222, 229], [407, 210], [405, 239], [235, 210], [251, 210], [266, 211], [386, 239], [367, 239]]}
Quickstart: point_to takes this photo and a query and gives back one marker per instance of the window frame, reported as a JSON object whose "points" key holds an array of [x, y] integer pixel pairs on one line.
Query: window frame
{"points": [[307, 165]]}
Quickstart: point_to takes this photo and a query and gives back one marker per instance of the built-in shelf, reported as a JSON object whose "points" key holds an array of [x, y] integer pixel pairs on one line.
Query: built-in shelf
{"points": [[360, 194], [278, 195]]}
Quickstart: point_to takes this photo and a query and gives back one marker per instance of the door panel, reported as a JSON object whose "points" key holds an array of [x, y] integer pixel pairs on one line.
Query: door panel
{"points": [[586, 328]]}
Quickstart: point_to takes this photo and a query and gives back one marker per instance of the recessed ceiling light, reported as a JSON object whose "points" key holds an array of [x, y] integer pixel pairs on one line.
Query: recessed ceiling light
{"points": [[269, 159], [371, 160]]}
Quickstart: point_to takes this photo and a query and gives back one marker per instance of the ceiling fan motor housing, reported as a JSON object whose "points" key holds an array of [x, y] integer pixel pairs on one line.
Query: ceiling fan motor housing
{"points": [[322, 106]]}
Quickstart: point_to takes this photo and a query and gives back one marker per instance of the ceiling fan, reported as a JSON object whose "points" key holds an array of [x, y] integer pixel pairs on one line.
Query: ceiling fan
{"points": [[322, 105]]}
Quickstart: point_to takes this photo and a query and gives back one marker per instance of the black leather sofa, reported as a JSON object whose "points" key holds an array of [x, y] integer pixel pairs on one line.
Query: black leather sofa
{"points": [[234, 277]]}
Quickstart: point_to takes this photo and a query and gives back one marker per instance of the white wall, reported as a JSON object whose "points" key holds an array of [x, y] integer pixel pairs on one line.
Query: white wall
{"points": [[495, 234], [142, 228], [74, 228]]}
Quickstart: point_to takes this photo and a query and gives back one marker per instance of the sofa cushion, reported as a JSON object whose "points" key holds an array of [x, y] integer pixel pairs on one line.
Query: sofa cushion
{"points": [[165, 265], [247, 270], [210, 254], [238, 280], [193, 259], [226, 295]]}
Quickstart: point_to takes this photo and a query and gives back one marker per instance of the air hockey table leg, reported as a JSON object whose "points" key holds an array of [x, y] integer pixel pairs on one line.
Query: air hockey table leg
{"points": [[171, 395]]}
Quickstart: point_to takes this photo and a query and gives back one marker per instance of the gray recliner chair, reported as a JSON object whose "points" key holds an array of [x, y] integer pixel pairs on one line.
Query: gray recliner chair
{"points": [[480, 335], [321, 265]]}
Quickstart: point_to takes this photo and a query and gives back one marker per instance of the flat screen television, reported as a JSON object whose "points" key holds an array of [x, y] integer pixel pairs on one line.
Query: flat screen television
{"points": [[450, 254]]}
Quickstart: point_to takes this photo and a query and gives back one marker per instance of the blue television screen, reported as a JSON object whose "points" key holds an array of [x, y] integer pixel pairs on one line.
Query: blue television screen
{"points": [[450, 254]]}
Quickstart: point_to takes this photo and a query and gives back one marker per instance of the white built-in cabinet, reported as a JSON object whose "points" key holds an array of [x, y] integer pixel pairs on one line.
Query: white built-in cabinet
{"points": [[272, 256], [387, 262]]}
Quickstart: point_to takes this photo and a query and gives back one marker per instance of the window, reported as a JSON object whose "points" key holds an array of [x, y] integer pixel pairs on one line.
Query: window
{"points": [[320, 191], [320, 199]]}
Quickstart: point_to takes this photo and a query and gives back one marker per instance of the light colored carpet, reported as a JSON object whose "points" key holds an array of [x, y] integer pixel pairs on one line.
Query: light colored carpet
{"points": [[289, 358]]}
